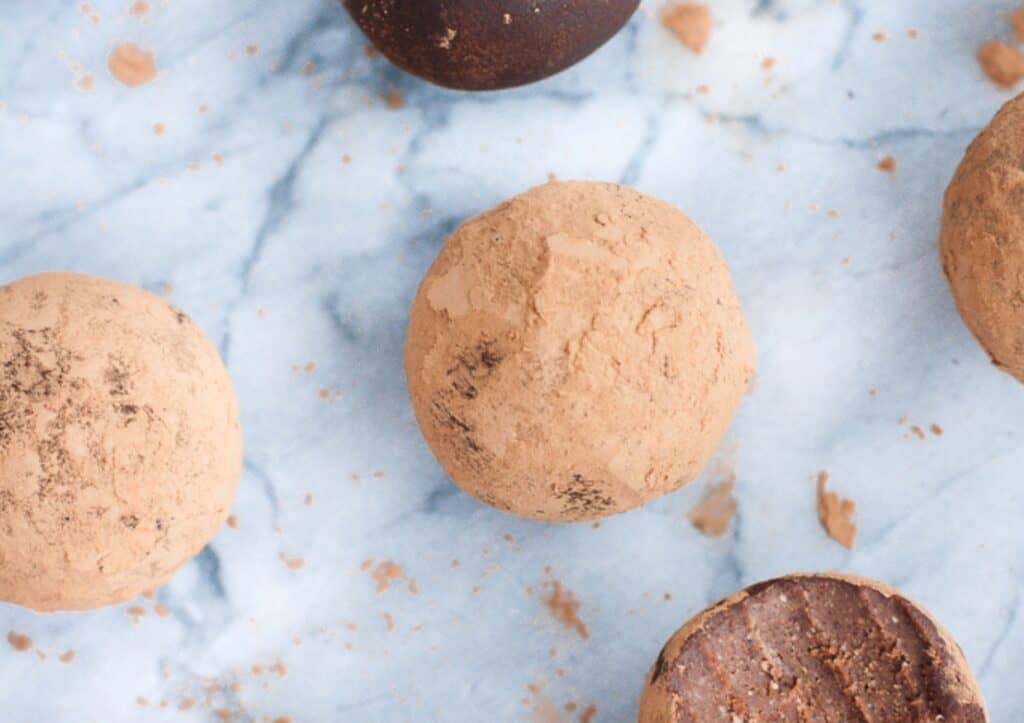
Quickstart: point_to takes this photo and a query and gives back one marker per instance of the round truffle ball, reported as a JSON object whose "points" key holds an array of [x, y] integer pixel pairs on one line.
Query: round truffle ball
{"points": [[120, 446], [576, 351], [812, 647], [475, 45], [982, 240]]}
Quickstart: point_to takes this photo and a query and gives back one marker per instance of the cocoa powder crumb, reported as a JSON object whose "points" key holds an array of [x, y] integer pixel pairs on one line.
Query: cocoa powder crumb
{"points": [[564, 607], [21, 643], [835, 514], [130, 65], [1002, 63], [1017, 23], [690, 23], [713, 514], [887, 164]]}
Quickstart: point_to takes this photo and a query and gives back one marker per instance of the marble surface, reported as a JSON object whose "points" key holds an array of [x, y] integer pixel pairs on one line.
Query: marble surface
{"points": [[245, 213]]}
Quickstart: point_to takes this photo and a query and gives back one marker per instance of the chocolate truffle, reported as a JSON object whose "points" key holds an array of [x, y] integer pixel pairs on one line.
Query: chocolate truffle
{"points": [[812, 648], [475, 45], [120, 447], [982, 239], [576, 351]]}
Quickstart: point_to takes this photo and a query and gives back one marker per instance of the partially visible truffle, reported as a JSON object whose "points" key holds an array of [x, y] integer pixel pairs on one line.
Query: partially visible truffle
{"points": [[982, 238], [120, 446], [478, 45], [812, 648], [576, 352]]}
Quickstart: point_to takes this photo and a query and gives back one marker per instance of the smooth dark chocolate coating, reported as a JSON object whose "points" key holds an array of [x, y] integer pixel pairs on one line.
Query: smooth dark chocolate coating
{"points": [[812, 648], [486, 44]]}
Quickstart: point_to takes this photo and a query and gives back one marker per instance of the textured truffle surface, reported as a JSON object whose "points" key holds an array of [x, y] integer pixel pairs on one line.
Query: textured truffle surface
{"points": [[982, 240], [829, 648], [576, 351], [120, 446]]}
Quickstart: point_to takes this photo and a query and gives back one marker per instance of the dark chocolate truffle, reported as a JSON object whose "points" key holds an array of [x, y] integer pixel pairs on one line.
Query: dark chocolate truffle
{"points": [[479, 45], [812, 648]]}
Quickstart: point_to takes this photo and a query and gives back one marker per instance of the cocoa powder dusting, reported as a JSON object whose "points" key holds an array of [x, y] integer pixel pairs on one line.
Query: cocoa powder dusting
{"points": [[564, 607], [713, 514], [887, 164], [588, 714], [836, 514], [21, 643], [690, 23], [67, 656], [139, 8]]}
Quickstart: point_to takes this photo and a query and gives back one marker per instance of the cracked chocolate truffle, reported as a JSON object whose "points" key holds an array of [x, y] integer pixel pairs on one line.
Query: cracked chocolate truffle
{"points": [[576, 352], [982, 239], [120, 447], [474, 45], [812, 648]]}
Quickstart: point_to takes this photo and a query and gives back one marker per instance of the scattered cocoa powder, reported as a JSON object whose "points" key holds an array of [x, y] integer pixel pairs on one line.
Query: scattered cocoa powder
{"points": [[588, 714], [690, 23], [130, 65], [161, 610], [394, 100], [713, 514], [251, 50], [159, 128], [564, 607], [292, 563], [887, 164], [21, 643], [835, 514], [879, 37], [768, 63], [67, 656], [233, 522], [936, 430], [309, 68], [139, 8], [186, 703], [86, 82], [1002, 63], [385, 574]]}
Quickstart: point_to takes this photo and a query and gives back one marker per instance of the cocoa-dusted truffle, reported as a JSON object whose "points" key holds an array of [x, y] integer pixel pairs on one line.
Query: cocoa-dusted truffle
{"points": [[812, 648], [475, 45], [120, 447], [576, 351], [982, 241]]}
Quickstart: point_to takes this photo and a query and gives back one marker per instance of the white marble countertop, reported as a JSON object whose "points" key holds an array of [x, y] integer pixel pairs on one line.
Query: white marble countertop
{"points": [[247, 216]]}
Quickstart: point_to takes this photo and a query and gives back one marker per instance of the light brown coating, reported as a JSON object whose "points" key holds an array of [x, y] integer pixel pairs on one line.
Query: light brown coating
{"points": [[823, 647], [120, 446], [982, 239], [576, 351]]}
